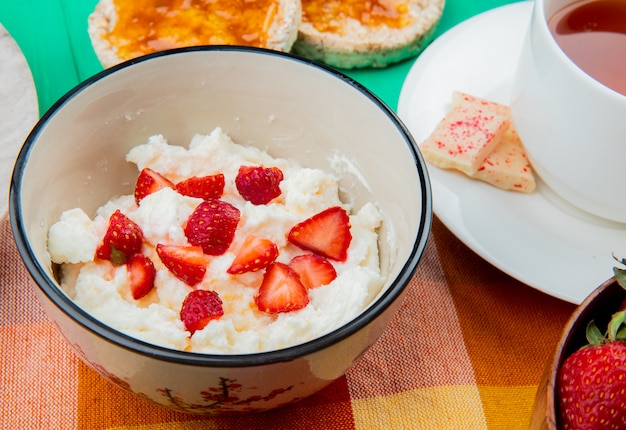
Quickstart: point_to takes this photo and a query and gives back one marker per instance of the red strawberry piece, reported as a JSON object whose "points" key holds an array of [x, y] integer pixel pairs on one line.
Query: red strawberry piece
{"points": [[142, 274], [592, 381], [281, 290], [149, 182], [255, 253], [199, 308], [326, 233], [122, 239], [258, 184], [592, 384], [202, 187], [187, 263], [212, 226], [313, 270]]}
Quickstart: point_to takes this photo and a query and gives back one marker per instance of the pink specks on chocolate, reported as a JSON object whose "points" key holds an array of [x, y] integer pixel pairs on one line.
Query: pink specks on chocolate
{"points": [[466, 130]]}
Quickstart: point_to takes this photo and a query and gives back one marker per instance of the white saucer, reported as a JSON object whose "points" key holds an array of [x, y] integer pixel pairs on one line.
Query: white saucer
{"points": [[18, 110], [535, 238]]}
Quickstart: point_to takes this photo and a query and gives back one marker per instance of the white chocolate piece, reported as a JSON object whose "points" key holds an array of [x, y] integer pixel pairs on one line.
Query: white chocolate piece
{"points": [[464, 138], [506, 165]]}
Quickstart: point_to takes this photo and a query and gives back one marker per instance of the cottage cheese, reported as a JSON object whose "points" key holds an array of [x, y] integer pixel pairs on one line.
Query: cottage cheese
{"points": [[102, 290]]}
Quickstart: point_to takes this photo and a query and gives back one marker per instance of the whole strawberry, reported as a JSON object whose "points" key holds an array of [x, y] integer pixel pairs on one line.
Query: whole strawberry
{"points": [[592, 381], [212, 226], [259, 185], [122, 239]]}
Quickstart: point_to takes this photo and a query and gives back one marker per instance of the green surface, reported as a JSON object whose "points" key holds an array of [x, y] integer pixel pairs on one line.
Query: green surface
{"points": [[53, 37]]}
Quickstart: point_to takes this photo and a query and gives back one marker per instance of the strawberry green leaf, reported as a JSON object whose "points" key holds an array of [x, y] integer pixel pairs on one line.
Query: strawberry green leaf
{"points": [[621, 334], [620, 276], [118, 257], [621, 261], [616, 326], [593, 333]]}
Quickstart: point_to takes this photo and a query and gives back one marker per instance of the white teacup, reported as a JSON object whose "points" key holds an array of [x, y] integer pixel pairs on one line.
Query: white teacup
{"points": [[573, 127]]}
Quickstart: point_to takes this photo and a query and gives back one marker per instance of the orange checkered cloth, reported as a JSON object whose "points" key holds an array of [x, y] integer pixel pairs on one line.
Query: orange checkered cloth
{"points": [[465, 351]]}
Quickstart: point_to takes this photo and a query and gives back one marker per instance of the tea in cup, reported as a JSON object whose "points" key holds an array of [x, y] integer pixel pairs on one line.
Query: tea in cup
{"points": [[569, 102]]}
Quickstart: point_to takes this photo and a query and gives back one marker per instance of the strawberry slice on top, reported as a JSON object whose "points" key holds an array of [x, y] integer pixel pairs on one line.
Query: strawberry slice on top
{"points": [[313, 270], [258, 184], [326, 233], [187, 263], [122, 239], [202, 187], [255, 254], [149, 182], [142, 273], [199, 308], [212, 226], [281, 290]]}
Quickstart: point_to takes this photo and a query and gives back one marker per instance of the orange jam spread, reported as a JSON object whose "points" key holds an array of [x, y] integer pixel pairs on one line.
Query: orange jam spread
{"points": [[327, 15], [145, 26]]}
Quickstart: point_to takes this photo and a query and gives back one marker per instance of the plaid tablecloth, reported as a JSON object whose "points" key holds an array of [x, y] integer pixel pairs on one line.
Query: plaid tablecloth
{"points": [[465, 351]]}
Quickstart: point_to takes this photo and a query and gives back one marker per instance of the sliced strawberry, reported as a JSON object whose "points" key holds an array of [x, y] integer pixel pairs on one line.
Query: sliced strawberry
{"points": [[122, 239], [187, 263], [212, 226], [326, 233], [314, 270], [202, 187], [258, 184], [199, 308], [255, 253], [281, 290], [142, 274], [148, 182]]}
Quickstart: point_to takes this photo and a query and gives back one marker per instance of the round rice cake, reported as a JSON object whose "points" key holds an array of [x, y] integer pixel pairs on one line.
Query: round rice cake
{"points": [[354, 33], [121, 30]]}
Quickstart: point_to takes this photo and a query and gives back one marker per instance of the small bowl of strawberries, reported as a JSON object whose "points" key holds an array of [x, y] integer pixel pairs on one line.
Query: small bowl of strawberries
{"points": [[584, 383]]}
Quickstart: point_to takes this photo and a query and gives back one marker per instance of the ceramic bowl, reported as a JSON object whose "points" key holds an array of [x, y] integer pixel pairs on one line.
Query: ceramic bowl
{"points": [[289, 106], [598, 306]]}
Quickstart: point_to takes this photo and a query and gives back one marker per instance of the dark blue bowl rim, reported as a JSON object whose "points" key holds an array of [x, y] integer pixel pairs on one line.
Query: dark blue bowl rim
{"points": [[49, 288]]}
